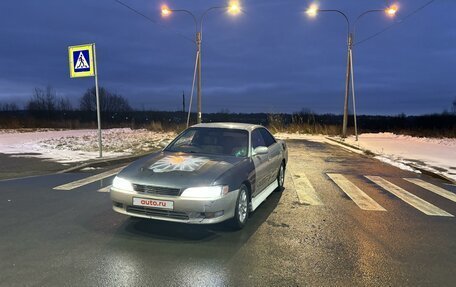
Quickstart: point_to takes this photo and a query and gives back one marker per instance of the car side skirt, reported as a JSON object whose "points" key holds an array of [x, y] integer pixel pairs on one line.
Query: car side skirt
{"points": [[257, 200]]}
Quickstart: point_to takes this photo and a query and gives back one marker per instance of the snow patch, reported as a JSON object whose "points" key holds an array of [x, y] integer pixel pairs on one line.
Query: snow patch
{"points": [[66, 146], [396, 163], [437, 155]]}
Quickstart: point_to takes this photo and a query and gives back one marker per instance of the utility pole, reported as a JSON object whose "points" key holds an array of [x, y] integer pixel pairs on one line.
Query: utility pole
{"points": [[347, 85], [353, 93], [183, 102], [198, 85]]}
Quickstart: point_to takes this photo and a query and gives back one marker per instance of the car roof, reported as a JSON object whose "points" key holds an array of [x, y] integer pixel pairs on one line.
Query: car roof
{"points": [[229, 125]]}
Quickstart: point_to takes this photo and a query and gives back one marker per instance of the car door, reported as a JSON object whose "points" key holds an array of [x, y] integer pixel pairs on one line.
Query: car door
{"points": [[274, 155], [260, 162]]}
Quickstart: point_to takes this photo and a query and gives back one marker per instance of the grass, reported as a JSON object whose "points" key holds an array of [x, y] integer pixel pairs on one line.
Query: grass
{"points": [[302, 124], [305, 122]]}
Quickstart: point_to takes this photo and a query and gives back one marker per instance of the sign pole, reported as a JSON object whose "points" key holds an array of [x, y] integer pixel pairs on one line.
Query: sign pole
{"points": [[83, 63], [98, 100]]}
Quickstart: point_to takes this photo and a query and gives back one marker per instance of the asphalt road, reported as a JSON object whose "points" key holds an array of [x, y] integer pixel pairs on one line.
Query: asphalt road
{"points": [[312, 233], [13, 166]]}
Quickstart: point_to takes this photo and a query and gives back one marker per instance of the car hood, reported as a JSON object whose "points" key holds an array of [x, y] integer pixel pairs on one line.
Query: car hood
{"points": [[178, 170]]}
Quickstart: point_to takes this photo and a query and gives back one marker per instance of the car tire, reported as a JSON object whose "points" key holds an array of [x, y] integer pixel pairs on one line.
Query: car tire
{"points": [[241, 212], [281, 178]]}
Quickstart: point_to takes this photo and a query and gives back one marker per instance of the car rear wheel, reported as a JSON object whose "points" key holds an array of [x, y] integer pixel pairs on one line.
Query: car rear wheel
{"points": [[281, 177], [241, 213]]}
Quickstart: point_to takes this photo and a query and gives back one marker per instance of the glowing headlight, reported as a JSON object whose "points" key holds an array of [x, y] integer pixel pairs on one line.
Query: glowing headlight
{"points": [[205, 192], [121, 183]]}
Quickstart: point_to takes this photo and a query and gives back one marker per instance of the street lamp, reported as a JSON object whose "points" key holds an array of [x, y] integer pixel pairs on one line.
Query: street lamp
{"points": [[391, 11], [165, 11], [312, 11], [233, 8]]}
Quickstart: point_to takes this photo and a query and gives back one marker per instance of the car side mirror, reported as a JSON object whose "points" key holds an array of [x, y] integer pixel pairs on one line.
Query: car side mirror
{"points": [[260, 150], [164, 143]]}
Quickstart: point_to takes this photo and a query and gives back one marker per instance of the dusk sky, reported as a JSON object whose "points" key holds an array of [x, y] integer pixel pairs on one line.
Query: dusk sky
{"points": [[271, 58]]}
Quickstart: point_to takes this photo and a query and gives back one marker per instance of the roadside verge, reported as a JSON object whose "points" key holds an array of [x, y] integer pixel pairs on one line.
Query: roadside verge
{"points": [[339, 142]]}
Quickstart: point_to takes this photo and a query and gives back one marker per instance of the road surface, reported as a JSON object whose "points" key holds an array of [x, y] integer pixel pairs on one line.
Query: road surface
{"points": [[344, 219]]}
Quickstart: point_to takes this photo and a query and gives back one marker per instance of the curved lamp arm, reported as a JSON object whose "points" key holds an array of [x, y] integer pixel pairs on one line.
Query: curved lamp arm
{"points": [[343, 14], [361, 16], [204, 15], [189, 13]]}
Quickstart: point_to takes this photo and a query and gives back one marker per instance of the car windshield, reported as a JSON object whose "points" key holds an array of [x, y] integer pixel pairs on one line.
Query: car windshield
{"points": [[217, 141]]}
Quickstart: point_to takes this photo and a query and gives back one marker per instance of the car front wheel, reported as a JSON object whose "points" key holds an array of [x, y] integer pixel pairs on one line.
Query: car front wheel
{"points": [[241, 213]]}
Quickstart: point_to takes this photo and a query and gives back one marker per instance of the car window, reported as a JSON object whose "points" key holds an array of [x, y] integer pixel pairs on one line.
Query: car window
{"points": [[267, 137], [257, 139], [218, 141], [185, 139]]}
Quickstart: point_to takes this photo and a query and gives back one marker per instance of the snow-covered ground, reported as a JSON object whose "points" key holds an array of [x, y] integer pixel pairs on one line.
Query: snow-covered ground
{"points": [[437, 155], [66, 146]]}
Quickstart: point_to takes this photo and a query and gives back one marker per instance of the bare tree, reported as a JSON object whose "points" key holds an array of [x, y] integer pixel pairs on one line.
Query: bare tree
{"points": [[224, 111], [43, 100], [453, 107], [64, 104], [8, 107], [46, 103], [306, 115], [109, 102]]}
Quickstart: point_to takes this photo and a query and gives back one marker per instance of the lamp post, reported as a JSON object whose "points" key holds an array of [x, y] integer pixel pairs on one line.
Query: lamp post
{"points": [[233, 8], [312, 11]]}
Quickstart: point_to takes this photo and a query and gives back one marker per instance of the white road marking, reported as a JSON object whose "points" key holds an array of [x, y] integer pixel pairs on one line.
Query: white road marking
{"points": [[357, 195], [87, 180], [434, 188], [413, 200], [105, 189], [304, 189]]}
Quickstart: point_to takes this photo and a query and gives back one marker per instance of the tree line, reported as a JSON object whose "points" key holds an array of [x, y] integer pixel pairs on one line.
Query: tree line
{"points": [[46, 102], [47, 110]]}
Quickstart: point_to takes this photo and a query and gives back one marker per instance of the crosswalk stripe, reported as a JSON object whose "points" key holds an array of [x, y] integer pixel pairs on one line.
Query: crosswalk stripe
{"points": [[434, 188], [104, 189], [357, 195], [411, 199], [304, 189], [87, 180]]}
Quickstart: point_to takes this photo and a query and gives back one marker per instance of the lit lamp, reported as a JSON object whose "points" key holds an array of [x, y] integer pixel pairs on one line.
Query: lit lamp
{"points": [[234, 8], [165, 11], [312, 10], [391, 11]]}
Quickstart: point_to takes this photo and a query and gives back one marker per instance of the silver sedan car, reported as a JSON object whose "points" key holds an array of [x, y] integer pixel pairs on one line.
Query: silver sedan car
{"points": [[208, 174]]}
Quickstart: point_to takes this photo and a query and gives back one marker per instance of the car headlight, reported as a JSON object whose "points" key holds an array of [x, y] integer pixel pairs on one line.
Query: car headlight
{"points": [[121, 183], [205, 191]]}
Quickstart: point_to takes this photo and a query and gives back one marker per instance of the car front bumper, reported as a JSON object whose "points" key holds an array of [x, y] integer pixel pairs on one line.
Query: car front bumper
{"points": [[185, 210]]}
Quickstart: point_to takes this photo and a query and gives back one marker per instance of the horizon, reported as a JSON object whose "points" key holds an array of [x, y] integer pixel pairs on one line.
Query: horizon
{"points": [[229, 112]]}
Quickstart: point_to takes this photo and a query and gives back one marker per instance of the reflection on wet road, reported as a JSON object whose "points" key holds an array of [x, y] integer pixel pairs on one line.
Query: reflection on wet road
{"points": [[355, 232]]}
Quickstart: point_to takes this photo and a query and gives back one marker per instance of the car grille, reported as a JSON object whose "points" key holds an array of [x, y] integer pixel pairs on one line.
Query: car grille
{"points": [[157, 212], [156, 189]]}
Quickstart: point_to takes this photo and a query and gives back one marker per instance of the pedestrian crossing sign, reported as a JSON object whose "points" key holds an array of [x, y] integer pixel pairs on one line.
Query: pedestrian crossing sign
{"points": [[81, 60]]}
